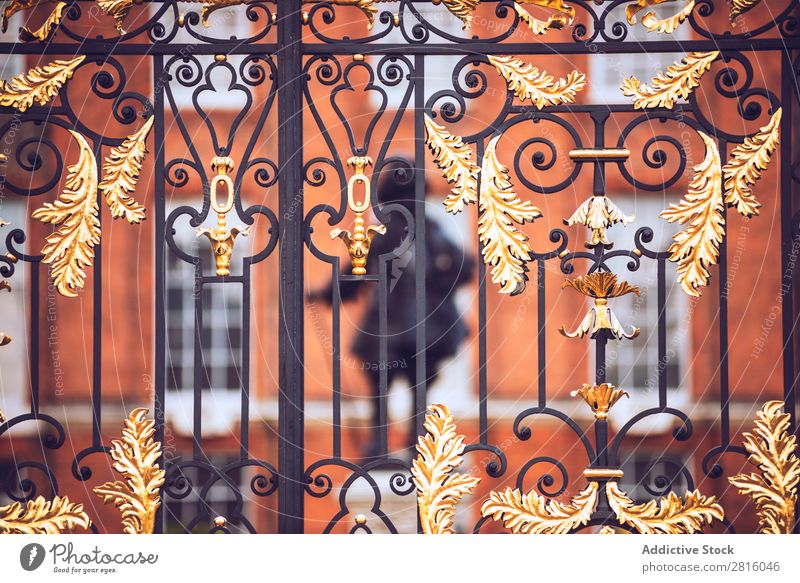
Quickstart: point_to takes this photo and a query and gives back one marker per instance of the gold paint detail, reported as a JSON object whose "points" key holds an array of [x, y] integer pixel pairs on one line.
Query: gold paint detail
{"points": [[3, 418], [360, 519], [358, 57], [598, 213], [454, 158], [607, 530], [439, 488], [359, 242], [71, 247], [532, 513], [135, 456], [220, 522], [505, 248], [678, 82], [773, 450], [539, 27], [747, 162], [221, 238], [670, 24], [45, 31], [5, 339], [121, 172], [696, 247], [632, 9], [670, 515], [563, 16], [739, 7], [600, 285], [463, 9], [39, 84], [41, 516], [530, 84], [600, 399], [589, 154], [116, 9], [211, 6], [603, 474]]}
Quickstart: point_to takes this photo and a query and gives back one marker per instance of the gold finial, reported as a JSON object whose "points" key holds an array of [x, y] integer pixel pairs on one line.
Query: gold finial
{"points": [[221, 237], [220, 522], [360, 519], [220, 58], [358, 57], [359, 242], [600, 398], [601, 285], [4, 339]]}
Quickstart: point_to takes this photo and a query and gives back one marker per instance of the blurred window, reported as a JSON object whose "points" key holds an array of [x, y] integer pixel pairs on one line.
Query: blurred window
{"points": [[633, 364]]}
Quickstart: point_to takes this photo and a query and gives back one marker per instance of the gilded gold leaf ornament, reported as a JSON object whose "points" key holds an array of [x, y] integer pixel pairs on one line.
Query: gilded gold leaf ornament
{"points": [[670, 515], [221, 237], [4, 338], [359, 242], [38, 85], [121, 173], [505, 248], [563, 15], [747, 162], [41, 516], [667, 88], [135, 456], [47, 28], [439, 487], [600, 286], [670, 24], [600, 398], [696, 247], [772, 448], [533, 513], [70, 248], [739, 7], [455, 159], [116, 9], [598, 213], [530, 84]]}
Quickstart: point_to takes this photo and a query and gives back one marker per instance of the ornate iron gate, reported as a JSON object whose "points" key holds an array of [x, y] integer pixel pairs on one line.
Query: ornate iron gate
{"points": [[294, 69]]}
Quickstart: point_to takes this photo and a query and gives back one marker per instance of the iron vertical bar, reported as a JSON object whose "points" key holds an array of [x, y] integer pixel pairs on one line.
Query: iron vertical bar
{"points": [[420, 256], [291, 318], [159, 325]]}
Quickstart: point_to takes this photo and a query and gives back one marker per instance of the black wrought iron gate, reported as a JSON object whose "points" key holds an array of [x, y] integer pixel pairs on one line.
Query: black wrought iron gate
{"points": [[296, 61]]}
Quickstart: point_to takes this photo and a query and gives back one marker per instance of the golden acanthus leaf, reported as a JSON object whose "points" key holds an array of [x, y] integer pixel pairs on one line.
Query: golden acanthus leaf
{"points": [[135, 456], [463, 9], [454, 159], [530, 84], [741, 6], [532, 513], [505, 248], [439, 489], [116, 9], [71, 247], [39, 85], [41, 516], [746, 163], [46, 30], [598, 213], [536, 26], [696, 247], [670, 515], [670, 24], [563, 16], [632, 9], [773, 450], [121, 172], [677, 82]]}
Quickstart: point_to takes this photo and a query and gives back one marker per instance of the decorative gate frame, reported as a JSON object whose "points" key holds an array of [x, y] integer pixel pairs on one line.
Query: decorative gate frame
{"points": [[289, 62]]}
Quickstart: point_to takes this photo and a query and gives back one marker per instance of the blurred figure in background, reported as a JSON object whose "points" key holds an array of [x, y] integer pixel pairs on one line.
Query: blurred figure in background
{"points": [[447, 269]]}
